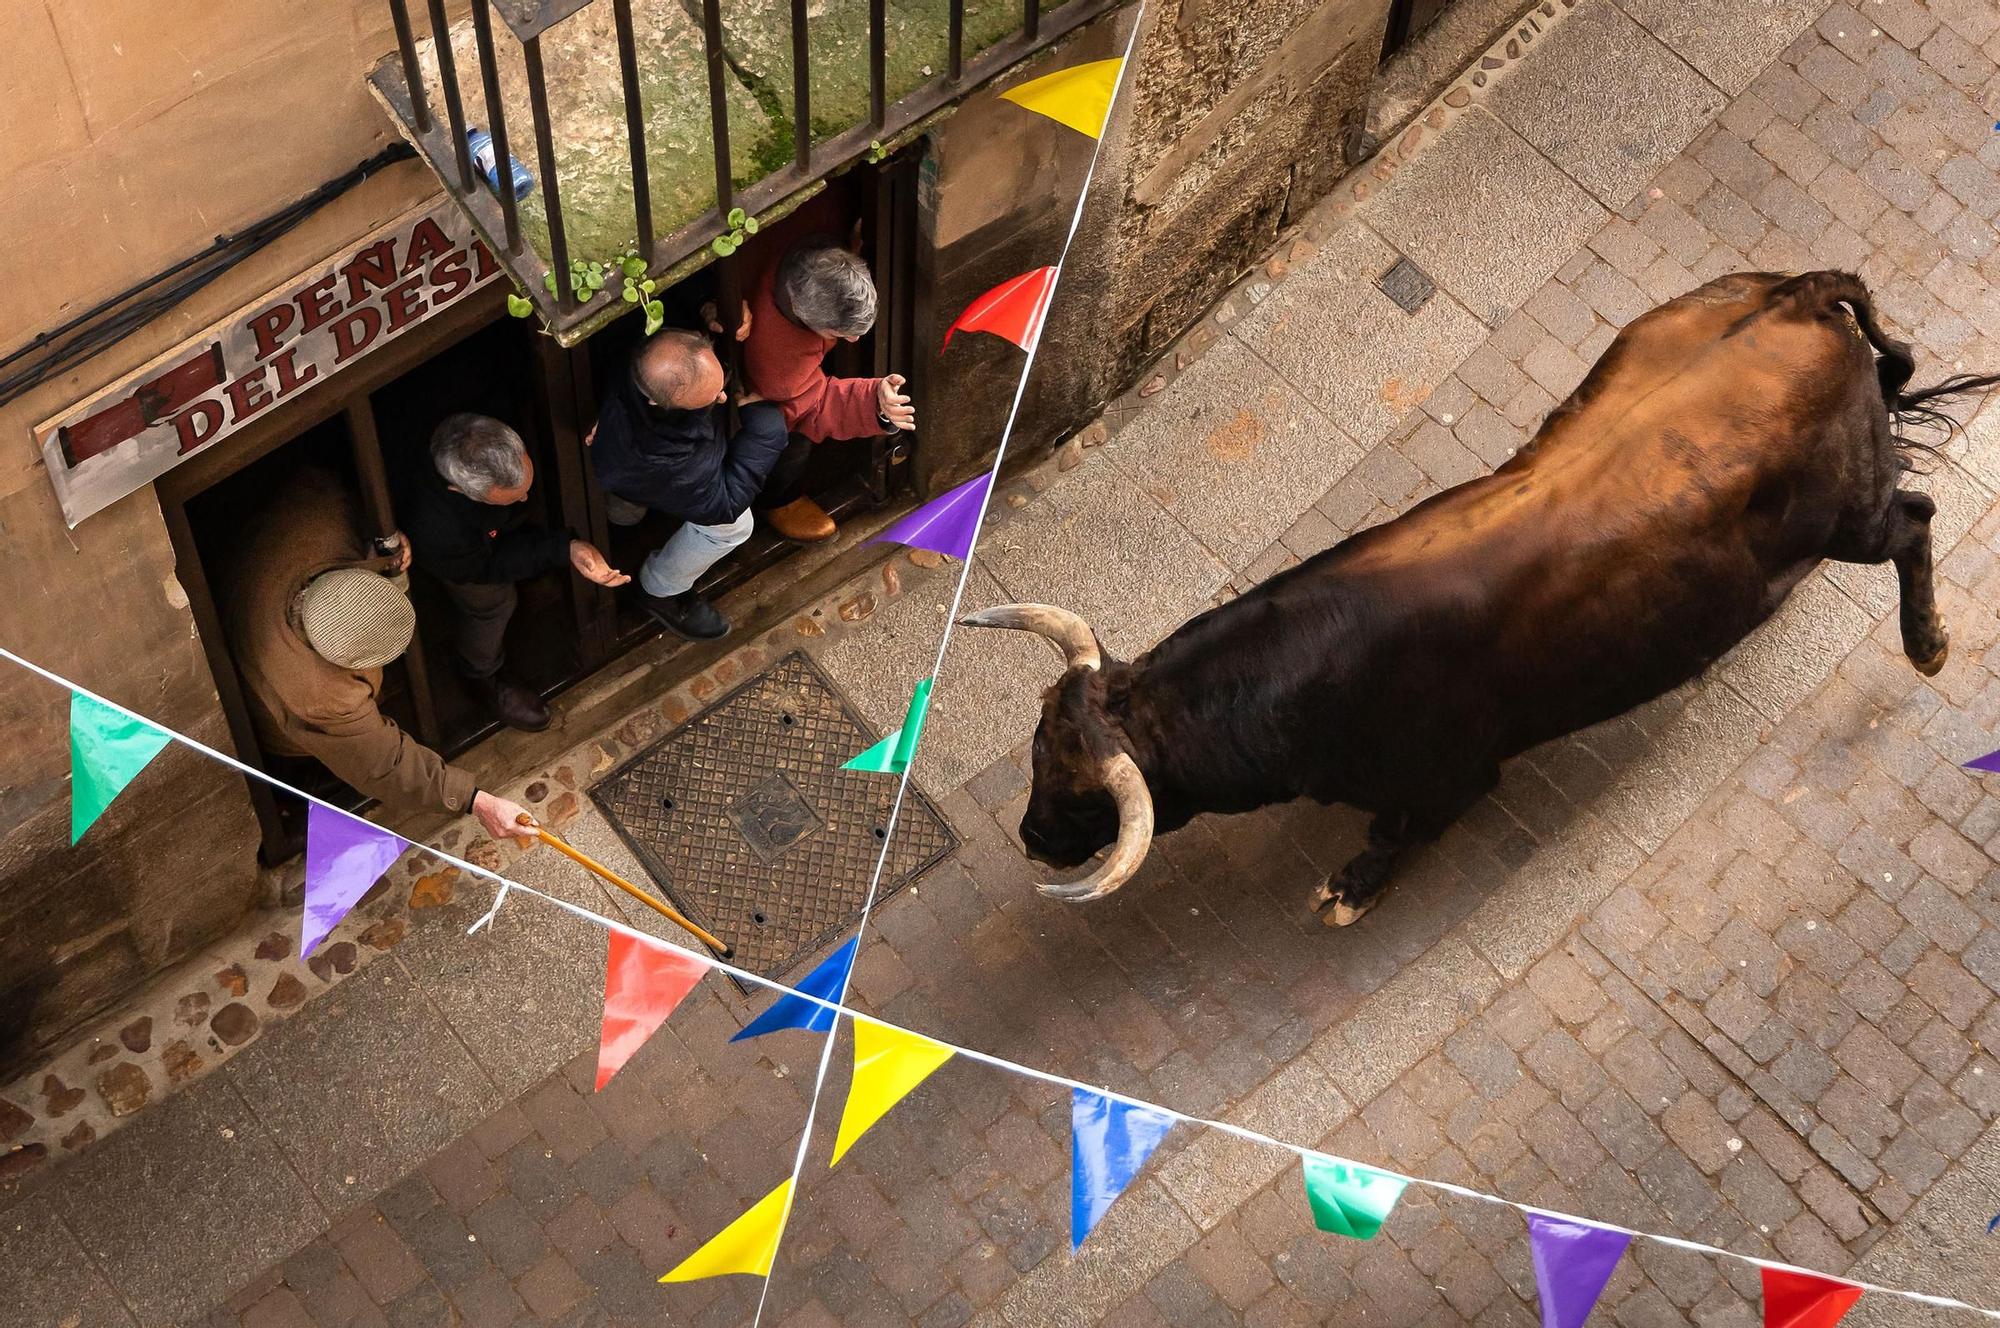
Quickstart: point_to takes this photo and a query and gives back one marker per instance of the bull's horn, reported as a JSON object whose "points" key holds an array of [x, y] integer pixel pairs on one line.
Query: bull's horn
{"points": [[1135, 835], [1073, 634]]}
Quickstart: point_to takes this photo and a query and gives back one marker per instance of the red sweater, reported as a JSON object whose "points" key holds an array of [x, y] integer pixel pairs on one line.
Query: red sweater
{"points": [[781, 362]]}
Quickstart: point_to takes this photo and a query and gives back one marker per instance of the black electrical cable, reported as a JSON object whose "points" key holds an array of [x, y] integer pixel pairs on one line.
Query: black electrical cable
{"points": [[113, 319]]}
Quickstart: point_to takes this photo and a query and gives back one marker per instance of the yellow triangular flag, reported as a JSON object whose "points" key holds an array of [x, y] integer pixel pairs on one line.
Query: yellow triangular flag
{"points": [[1080, 96], [888, 1063], [746, 1245]]}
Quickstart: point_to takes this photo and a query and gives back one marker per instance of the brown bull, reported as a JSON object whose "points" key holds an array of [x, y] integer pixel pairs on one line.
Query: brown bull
{"points": [[1723, 446]]}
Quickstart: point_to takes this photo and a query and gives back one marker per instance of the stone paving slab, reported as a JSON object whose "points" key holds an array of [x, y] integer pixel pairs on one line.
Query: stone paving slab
{"points": [[49, 1280], [1484, 213], [1090, 544], [1730, 44], [1557, 103], [1229, 449], [525, 993], [353, 1105], [989, 697], [1387, 354], [137, 1204]]}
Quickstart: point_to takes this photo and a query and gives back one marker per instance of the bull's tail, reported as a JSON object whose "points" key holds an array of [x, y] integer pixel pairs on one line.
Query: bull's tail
{"points": [[1908, 410]]}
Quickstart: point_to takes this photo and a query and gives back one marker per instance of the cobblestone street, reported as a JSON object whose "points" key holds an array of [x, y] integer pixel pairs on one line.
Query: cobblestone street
{"points": [[1724, 969]]}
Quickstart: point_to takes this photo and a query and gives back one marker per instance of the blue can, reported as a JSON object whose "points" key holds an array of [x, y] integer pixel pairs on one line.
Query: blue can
{"points": [[481, 144]]}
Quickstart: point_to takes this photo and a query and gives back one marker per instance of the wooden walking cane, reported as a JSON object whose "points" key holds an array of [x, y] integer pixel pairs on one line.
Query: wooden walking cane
{"points": [[592, 865]]}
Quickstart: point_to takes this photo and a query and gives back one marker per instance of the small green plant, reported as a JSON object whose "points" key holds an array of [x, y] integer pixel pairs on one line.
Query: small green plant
{"points": [[518, 304], [587, 276], [741, 224], [875, 152]]}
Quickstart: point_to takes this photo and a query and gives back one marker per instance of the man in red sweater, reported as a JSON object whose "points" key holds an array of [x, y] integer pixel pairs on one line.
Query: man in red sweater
{"points": [[817, 294]]}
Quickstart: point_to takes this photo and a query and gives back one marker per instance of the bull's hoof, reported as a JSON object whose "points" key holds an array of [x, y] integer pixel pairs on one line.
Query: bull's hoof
{"points": [[1930, 667], [1335, 911]]}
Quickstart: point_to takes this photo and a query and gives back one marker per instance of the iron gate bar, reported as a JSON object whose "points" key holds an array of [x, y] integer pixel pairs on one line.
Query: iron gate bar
{"points": [[503, 163], [718, 107], [635, 127], [955, 61], [570, 320], [1031, 18], [802, 134], [406, 48], [545, 152], [878, 62], [448, 77]]}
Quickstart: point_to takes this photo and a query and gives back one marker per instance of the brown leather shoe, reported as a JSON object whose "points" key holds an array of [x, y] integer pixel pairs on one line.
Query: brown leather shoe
{"points": [[510, 703], [802, 521]]}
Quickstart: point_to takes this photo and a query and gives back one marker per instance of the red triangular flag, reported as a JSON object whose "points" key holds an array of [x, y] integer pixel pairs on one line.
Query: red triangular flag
{"points": [[1805, 1300], [1014, 309], [643, 982]]}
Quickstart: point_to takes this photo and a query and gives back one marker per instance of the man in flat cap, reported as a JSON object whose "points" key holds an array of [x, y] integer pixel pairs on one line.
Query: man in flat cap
{"points": [[314, 619]]}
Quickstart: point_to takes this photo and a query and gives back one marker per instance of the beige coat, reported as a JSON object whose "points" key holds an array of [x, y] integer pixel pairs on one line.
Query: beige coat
{"points": [[301, 704]]}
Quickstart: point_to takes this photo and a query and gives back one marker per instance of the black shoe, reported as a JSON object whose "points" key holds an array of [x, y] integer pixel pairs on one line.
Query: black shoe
{"points": [[686, 615], [510, 703]]}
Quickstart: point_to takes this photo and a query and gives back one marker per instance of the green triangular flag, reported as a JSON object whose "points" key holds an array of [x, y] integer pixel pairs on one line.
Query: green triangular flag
{"points": [[107, 748], [1349, 1200], [891, 756]]}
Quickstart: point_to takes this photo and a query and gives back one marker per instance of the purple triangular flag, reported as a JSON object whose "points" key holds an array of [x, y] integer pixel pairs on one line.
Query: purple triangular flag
{"points": [[1990, 763], [946, 524], [1573, 1261], [345, 855]]}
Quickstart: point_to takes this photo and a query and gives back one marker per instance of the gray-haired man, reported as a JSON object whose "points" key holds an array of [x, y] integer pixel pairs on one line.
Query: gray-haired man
{"points": [[468, 527]]}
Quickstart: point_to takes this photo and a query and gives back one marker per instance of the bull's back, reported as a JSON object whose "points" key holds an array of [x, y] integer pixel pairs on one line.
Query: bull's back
{"points": [[1659, 515]]}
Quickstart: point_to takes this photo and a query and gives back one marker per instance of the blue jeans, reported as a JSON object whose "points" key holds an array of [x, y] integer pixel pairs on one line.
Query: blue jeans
{"points": [[675, 566]]}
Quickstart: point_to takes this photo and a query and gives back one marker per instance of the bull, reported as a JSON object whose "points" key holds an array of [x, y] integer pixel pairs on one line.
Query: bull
{"points": [[1723, 446]]}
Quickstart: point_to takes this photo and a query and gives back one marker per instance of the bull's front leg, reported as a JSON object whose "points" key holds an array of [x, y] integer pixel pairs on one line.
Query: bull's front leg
{"points": [[1341, 900], [1925, 639]]}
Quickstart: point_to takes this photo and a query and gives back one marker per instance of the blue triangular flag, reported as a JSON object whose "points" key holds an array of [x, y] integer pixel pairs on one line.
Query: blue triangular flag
{"points": [[1990, 763], [789, 1011], [1109, 1141]]}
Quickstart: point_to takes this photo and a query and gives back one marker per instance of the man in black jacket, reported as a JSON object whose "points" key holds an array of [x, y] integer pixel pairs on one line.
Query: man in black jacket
{"points": [[468, 528], [661, 442]]}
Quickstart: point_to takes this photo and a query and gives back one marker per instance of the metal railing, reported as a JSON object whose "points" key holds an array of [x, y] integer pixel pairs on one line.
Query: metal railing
{"points": [[495, 212]]}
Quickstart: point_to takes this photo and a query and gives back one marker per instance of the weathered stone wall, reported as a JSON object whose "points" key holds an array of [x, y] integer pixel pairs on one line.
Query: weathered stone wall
{"points": [[1233, 119], [132, 134]]}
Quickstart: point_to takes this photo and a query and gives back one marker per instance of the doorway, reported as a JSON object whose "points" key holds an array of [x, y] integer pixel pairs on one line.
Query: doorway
{"points": [[370, 428]]}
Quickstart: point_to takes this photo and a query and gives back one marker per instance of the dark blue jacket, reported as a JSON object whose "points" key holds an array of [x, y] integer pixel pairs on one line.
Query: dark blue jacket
{"points": [[678, 461]]}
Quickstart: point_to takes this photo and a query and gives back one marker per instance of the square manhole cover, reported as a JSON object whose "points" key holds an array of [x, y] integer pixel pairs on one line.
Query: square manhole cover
{"points": [[1408, 285], [745, 818]]}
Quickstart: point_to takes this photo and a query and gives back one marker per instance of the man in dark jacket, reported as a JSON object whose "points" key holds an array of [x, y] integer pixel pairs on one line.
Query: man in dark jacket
{"points": [[661, 442], [469, 529]]}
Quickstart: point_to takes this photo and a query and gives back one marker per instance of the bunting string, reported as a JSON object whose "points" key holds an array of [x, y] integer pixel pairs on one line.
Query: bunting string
{"points": [[1109, 79], [833, 1009]]}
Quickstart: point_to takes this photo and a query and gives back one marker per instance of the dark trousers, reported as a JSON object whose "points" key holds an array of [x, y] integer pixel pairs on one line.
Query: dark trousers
{"points": [[479, 627], [787, 477]]}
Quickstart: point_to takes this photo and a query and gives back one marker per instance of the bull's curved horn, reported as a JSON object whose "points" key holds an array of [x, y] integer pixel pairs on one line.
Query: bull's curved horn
{"points": [[1073, 634], [1135, 835]]}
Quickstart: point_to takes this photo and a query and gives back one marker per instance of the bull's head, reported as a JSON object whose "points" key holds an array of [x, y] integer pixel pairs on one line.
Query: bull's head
{"points": [[1088, 791]]}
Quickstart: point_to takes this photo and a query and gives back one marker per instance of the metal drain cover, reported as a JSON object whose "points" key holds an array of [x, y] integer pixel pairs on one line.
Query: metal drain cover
{"points": [[745, 818], [1408, 285]]}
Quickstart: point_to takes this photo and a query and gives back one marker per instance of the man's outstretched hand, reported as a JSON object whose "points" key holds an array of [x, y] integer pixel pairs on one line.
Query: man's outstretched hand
{"points": [[892, 405], [496, 816], [590, 565]]}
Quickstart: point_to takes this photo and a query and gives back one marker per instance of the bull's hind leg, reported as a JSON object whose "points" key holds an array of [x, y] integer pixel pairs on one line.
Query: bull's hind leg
{"points": [[1908, 542]]}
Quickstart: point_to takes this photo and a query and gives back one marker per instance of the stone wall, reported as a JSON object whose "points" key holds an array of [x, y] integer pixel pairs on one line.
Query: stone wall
{"points": [[133, 134], [1234, 119]]}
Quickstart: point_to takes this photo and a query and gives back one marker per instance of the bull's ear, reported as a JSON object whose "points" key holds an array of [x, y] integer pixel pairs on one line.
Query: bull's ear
{"points": [[1066, 629]]}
